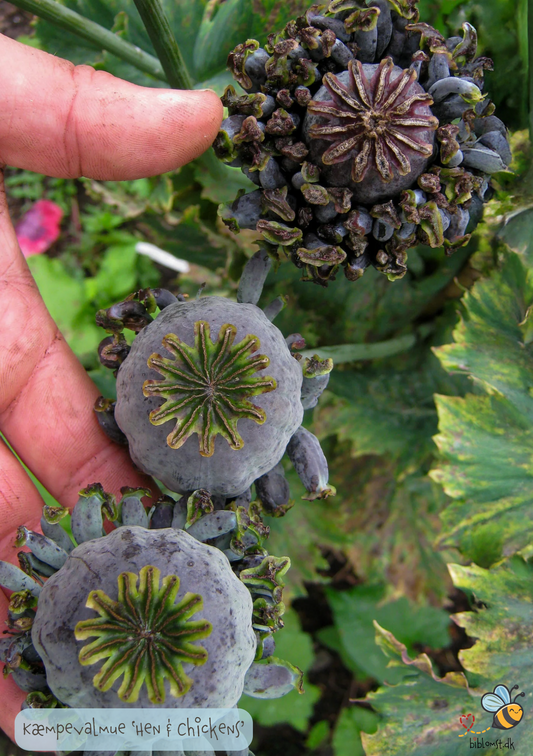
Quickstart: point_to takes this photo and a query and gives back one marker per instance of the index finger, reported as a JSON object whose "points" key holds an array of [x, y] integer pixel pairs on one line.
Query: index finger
{"points": [[69, 121]]}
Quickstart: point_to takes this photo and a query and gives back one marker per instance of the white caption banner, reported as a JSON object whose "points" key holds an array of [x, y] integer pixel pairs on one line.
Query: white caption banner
{"points": [[133, 729]]}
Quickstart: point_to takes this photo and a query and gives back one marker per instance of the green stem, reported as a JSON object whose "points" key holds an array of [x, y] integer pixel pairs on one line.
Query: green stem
{"points": [[355, 352], [164, 42], [166, 47], [94, 33]]}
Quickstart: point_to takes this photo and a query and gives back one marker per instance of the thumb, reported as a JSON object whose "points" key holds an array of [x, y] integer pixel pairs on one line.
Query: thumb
{"points": [[69, 121]]}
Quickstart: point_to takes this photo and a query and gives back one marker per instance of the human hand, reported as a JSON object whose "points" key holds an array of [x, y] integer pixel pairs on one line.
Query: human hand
{"points": [[68, 121]]}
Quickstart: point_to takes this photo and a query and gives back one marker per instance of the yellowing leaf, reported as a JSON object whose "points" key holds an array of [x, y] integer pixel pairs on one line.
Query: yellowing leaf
{"points": [[420, 715], [486, 442]]}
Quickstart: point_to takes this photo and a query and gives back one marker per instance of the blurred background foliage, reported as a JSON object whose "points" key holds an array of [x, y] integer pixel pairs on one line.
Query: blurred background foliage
{"points": [[379, 552]]}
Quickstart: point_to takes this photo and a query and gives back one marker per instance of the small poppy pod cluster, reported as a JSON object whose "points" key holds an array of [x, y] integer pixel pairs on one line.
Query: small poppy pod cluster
{"points": [[366, 132]]}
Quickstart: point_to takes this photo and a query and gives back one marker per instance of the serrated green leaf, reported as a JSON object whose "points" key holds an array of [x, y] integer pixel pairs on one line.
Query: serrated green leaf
{"points": [[503, 627], [392, 521], [296, 647], [393, 414], [485, 442], [373, 312], [517, 232], [387, 409], [385, 526], [485, 465], [493, 340], [420, 716]]}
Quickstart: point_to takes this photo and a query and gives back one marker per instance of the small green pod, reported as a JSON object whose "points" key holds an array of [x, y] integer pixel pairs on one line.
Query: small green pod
{"points": [[42, 547], [272, 678], [57, 534], [87, 517], [132, 510], [310, 463], [213, 525]]}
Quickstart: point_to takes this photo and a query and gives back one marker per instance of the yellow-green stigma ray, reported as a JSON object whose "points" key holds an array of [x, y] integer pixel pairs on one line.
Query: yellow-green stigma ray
{"points": [[144, 636], [207, 386]]}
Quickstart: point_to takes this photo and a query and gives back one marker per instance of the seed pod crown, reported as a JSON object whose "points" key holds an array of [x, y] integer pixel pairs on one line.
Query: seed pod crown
{"points": [[367, 133]]}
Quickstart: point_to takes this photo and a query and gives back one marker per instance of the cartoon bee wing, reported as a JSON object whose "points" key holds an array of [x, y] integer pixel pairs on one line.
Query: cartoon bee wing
{"points": [[492, 702], [503, 692]]}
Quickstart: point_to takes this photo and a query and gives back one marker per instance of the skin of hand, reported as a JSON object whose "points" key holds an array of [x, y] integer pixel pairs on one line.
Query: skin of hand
{"points": [[68, 121]]}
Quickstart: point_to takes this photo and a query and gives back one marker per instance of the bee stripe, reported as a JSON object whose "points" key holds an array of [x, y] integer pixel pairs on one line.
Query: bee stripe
{"points": [[505, 719]]}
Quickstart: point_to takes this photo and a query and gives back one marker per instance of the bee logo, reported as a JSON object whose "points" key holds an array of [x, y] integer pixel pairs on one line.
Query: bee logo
{"points": [[507, 713]]}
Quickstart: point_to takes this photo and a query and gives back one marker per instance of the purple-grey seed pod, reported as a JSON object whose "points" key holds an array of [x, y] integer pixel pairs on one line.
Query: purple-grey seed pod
{"points": [[255, 67], [240, 437], [272, 490], [372, 107], [306, 455], [496, 141]]}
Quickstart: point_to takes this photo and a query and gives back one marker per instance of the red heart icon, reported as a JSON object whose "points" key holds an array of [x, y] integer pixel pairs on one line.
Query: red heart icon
{"points": [[467, 720]]}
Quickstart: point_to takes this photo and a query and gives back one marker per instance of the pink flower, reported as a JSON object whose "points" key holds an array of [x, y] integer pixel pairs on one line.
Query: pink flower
{"points": [[39, 228]]}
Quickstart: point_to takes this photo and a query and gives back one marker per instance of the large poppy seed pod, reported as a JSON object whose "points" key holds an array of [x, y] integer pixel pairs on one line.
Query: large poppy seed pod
{"points": [[209, 396], [207, 389], [149, 613], [162, 588], [367, 133]]}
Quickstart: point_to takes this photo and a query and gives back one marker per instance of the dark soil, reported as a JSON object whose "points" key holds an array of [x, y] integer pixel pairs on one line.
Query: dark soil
{"points": [[447, 659], [338, 685]]}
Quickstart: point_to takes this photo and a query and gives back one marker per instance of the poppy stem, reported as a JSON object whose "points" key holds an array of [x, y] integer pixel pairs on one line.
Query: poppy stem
{"points": [[73, 22], [157, 25]]}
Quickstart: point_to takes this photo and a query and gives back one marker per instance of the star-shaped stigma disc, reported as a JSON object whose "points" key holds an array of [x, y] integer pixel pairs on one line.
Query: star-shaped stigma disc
{"points": [[144, 636], [378, 117], [207, 386]]}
